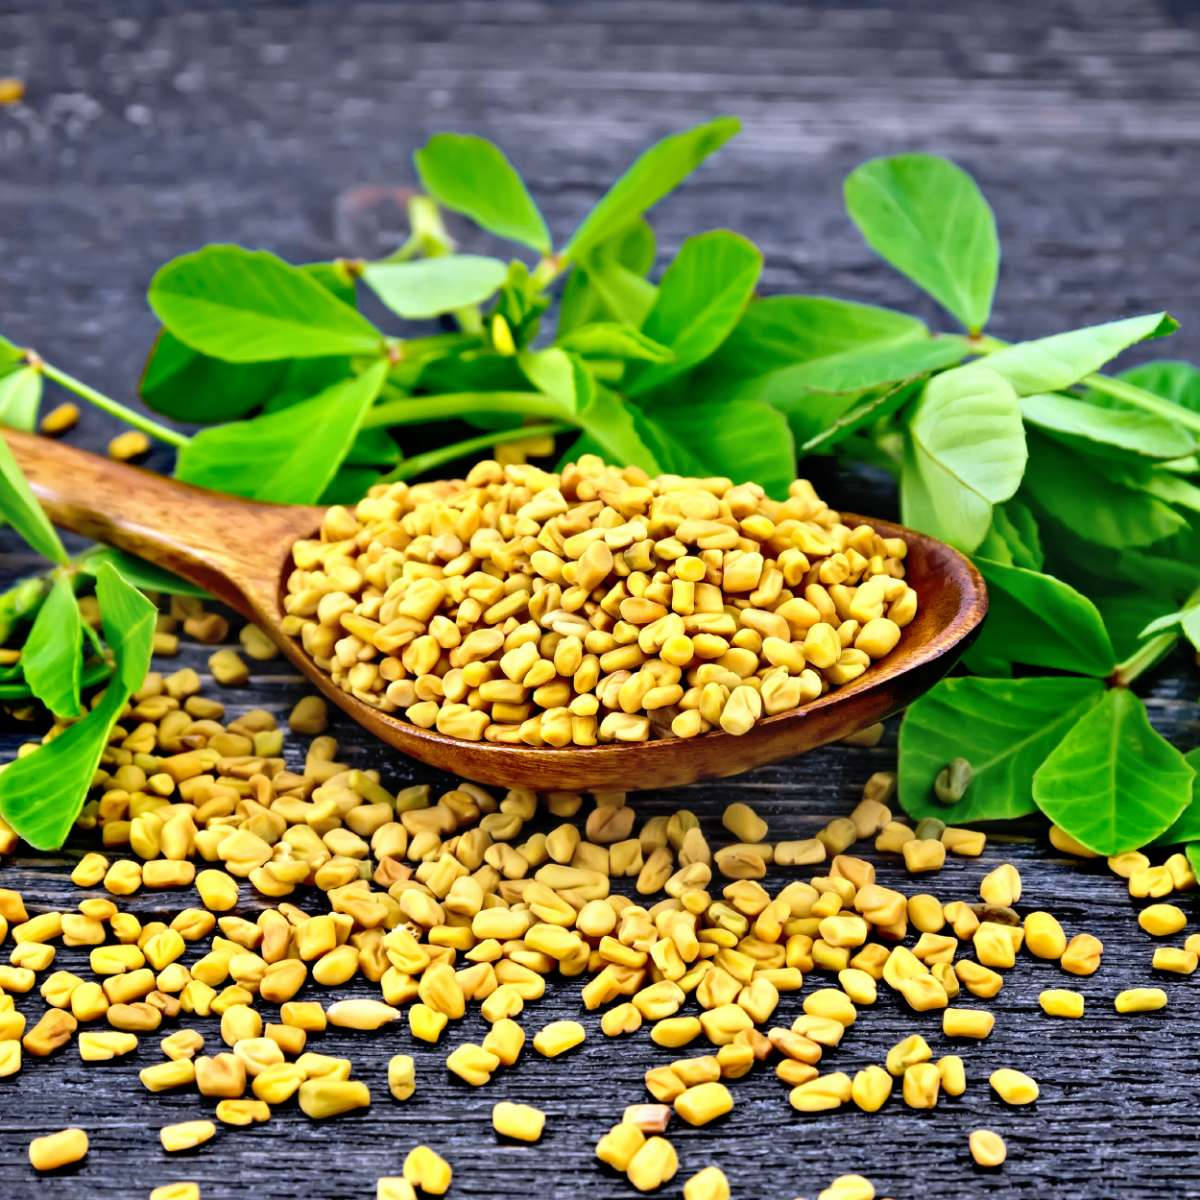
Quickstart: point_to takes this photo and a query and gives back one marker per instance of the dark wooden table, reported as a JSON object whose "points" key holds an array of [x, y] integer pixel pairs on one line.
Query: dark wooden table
{"points": [[150, 128]]}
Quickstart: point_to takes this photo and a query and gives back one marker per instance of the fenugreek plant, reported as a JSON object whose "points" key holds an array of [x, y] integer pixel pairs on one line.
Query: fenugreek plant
{"points": [[1073, 490]]}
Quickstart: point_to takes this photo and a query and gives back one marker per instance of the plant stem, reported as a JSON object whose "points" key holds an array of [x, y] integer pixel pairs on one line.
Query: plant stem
{"points": [[1142, 659], [147, 425], [418, 464], [415, 409]]}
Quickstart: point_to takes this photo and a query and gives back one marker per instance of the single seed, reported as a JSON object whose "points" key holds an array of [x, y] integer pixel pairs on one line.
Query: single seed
{"points": [[987, 1148], [952, 781], [522, 1122], [1014, 1087], [56, 1150], [1140, 999], [186, 1135]]}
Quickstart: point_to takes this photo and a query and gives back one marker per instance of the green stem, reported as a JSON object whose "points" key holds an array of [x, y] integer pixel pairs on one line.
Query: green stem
{"points": [[171, 436], [418, 464], [415, 409], [1149, 653]]}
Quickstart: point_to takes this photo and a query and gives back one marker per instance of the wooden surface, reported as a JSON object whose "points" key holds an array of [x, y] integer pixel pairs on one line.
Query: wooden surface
{"points": [[241, 552], [149, 132]]}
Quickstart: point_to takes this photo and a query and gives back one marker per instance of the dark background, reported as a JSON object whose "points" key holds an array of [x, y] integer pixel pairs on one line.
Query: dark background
{"points": [[151, 128]]}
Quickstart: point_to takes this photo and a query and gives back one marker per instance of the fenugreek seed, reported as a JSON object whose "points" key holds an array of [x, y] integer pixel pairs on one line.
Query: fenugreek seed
{"points": [[163, 1076], [393, 1187], [1082, 955], [323, 1098], [704, 1103], [921, 1084], [1140, 999], [186, 1135], [952, 781], [1162, 920], [848, 1187], [654, 1164], [243, 1112], [56, 1150], [953, 1074], [522, 1122], [182, 1190], [822, 1094], [1014, 1087], [871, 1088], [129, 445], [708, 1183], [228, 669], [401, 1076], [1174, 959], [558, 1037], [104, 1046], [361, 1014], [1061, 1002], [913, 1049], [426, 1169], [1044, 937], [218, 891], [1001, 887], [967, 1023], [59, 419], [987, 1148], [309, 717]]}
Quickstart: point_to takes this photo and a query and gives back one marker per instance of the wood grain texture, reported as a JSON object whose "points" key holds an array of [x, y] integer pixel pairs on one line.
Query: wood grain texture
{"points": [[241, 552], [152, 129]]}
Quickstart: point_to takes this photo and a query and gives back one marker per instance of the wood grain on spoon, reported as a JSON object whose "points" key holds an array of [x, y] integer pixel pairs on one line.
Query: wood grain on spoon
{"points": [[239, 550]]}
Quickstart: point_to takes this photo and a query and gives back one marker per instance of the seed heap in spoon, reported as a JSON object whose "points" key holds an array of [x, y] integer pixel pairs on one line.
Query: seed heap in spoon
{"points": [[527, 607]]}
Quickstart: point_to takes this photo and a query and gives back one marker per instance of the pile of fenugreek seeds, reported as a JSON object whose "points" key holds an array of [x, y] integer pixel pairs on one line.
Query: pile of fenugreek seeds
{"points": [[473, 898], [598, 605]]}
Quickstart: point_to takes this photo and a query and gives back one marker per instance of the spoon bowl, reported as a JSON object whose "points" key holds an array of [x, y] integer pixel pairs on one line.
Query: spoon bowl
{"points": [[239, 550]]}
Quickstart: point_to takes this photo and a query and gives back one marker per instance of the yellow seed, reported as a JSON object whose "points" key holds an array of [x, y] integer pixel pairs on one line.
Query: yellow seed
{"points": [[402, 1078], [426, 1169], [871, 1088], [987, 1148], [129, 445], [170, 1074], [228, 669], [10, 1057], [618, 1146], [904, 1054], [1140, 999], [821, 1094], [1082, 955], [279, 1082], [58, 1149], [105, 1045], [1014, 1087], [182, 1190], [1061, 1002], [361, 1014], [53, 1030], [704, 1103], [922, 855], [472, 1063], [848, 1187], [967, 1023], [921, 1084], [1001, 888], [522, 1122], [243, 1112], [978, 980], [218, 891], [709, 1183], [558, 1037], [1162, 920], [186, 1135], [59, 419], [654, 1164], [1175, 959], [393, 1187], [953, 1074], [322, 1098], [505, 1040], [425, 1024], [675, 1031], [1044, 937]]}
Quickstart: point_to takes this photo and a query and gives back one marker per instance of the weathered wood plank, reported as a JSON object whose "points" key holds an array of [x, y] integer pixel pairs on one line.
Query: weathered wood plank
{"points": [[157, 128]]}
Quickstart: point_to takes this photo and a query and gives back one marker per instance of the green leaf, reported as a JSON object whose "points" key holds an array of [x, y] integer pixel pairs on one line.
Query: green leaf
{"points": [[470, 175], [41, 794], [179, 382], [745, 439], [1193, 854], [700, 298], [1073, 487], [966, 453], [1178, 382], [656, 172], [144, 576], [1017, 526], [290, 456], [50, 658], [1185, 620], [1128, 429], [558, 375], [10, 355], [1013, 724], [626, 258], [430, 286], [814, 334], [876, 407], [610, 430], [1052, 364], [928, 218], [1186, 827], [607, 339], [20, 395], [1041, 621], [248, 306], [19, 507], [1113, 783]]}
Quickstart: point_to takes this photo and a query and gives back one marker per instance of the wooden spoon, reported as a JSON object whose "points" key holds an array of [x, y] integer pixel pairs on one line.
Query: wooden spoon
{"points": [[239, 551]]}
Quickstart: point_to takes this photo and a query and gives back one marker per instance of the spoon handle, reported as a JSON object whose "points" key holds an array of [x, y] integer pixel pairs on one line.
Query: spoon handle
{"points": [[229, 546]]}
